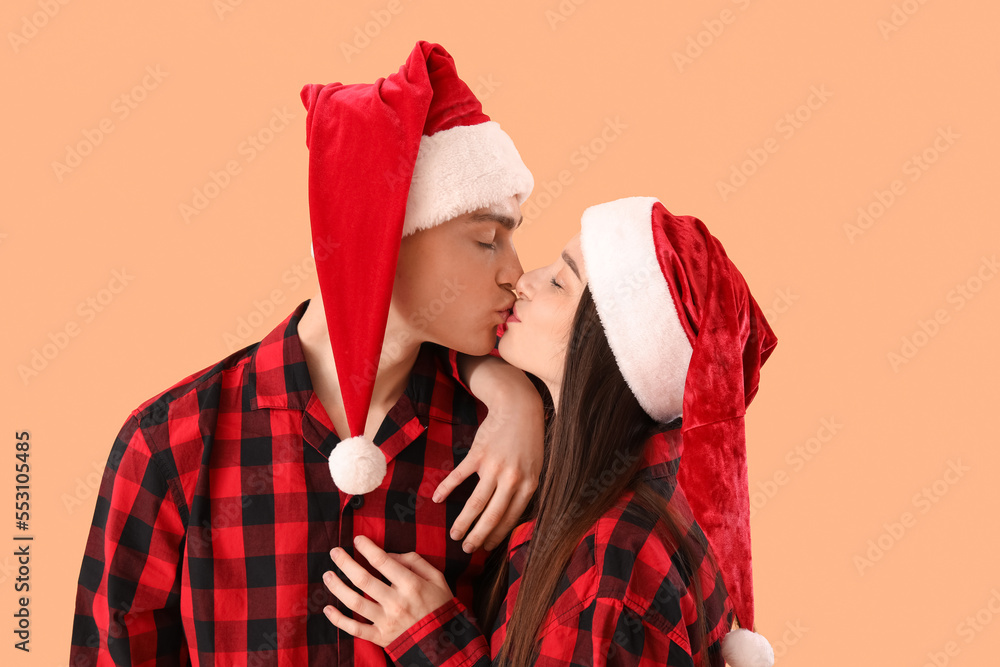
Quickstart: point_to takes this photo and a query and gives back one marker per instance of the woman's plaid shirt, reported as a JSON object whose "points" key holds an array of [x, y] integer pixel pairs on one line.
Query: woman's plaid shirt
{"points": [[623, 599], [217, 513]]}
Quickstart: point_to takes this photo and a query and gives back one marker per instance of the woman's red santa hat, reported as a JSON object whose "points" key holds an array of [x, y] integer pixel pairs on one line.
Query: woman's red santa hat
{"points": [[387, 159], [689, 339]]}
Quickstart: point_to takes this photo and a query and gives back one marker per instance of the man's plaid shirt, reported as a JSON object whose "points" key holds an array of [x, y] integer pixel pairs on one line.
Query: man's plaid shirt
{"points": [[623, 599], [217, 513]]}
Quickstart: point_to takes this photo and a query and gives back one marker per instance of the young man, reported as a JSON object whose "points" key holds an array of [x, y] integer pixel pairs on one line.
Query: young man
{"points": [[224, 494]]}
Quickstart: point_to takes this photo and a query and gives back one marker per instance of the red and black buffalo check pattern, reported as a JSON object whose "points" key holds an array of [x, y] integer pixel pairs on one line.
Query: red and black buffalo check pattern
{"points": [[624, 599], [217, 513]]}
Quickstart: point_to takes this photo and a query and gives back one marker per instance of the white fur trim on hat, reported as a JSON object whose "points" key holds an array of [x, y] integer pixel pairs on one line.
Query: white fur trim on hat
{"points": [[744, 648], [357, 465], [634, 303], [462, 169]]}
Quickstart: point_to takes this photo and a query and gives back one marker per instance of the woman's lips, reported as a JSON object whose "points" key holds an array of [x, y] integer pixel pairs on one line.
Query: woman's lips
{"points": [[512, 317]]}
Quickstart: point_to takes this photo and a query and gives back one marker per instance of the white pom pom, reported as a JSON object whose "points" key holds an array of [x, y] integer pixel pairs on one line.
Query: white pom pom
{"points": [[357, 465], [743, 648]]}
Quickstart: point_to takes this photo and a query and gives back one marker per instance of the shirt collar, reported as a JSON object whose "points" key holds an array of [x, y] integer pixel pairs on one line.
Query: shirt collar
{"points": [[661, 459], [662, 454], [277, 376]]}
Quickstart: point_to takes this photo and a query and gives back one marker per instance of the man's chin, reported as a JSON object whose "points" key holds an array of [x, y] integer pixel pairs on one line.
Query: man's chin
{"points": [[474, 346]]}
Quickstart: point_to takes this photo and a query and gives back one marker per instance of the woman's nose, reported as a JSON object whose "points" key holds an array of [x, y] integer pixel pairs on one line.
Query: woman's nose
{"points": [[523, 289]]}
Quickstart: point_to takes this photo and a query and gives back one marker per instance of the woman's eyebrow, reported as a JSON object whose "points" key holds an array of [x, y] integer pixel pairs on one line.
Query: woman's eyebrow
{"points": [[572, 264]]}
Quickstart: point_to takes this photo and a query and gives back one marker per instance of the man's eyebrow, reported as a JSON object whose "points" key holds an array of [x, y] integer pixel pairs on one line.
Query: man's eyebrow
{"points": [[489, 216], [572, 264]]}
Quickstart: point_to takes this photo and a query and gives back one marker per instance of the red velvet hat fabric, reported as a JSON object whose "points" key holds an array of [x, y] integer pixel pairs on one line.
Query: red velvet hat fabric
{"points": [[363, 141], [690, 340], [731, 340]]}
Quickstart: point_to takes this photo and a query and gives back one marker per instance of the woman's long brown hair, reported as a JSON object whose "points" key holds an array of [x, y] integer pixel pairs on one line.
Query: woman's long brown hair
{"points": [[599, 427]]}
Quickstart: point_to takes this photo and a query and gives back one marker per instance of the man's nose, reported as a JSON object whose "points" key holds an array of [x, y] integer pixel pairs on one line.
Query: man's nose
{"points": [[511, 273]]}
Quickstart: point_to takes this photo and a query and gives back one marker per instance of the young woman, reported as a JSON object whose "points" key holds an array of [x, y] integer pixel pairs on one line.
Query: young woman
{"points": [[649, 344]]}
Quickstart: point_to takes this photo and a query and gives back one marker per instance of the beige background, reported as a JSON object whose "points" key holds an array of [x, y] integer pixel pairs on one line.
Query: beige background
{"points": [[558, 76]]}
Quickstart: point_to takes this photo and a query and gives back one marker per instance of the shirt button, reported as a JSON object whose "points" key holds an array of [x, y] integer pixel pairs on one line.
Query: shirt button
{"points": [[357, 502]]}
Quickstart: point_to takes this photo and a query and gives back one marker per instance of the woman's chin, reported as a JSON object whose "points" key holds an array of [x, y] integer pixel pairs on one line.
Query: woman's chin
{"points": [[507, 350], [507, 347]]}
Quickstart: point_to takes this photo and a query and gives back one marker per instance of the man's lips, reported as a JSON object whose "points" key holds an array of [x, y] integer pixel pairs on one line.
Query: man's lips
{"points": [[506, 311]]}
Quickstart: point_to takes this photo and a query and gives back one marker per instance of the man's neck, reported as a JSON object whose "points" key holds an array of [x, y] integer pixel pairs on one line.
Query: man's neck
{"points": [[391, 378]]}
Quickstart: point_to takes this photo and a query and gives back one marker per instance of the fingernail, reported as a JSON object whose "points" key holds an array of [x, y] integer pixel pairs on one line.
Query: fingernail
{"points": [[327, 576], [455, 534], [468, 547], [435, 498]]}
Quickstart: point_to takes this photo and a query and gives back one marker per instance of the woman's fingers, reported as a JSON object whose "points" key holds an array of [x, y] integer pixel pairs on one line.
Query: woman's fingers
{"points": [[514, 511], [493, 514], [455, 477], [476, 503]]}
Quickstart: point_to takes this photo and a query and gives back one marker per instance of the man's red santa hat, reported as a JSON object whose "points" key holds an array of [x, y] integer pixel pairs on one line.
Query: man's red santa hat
{"points": [[387, 159], [690, 340]]}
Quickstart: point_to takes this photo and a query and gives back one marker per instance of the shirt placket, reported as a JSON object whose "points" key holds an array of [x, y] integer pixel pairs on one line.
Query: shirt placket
{"points": [[341, 526], [318, 434]]}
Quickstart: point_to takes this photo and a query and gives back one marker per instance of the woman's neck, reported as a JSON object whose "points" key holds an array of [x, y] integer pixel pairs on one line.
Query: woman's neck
{"points": [[553, 388]]}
